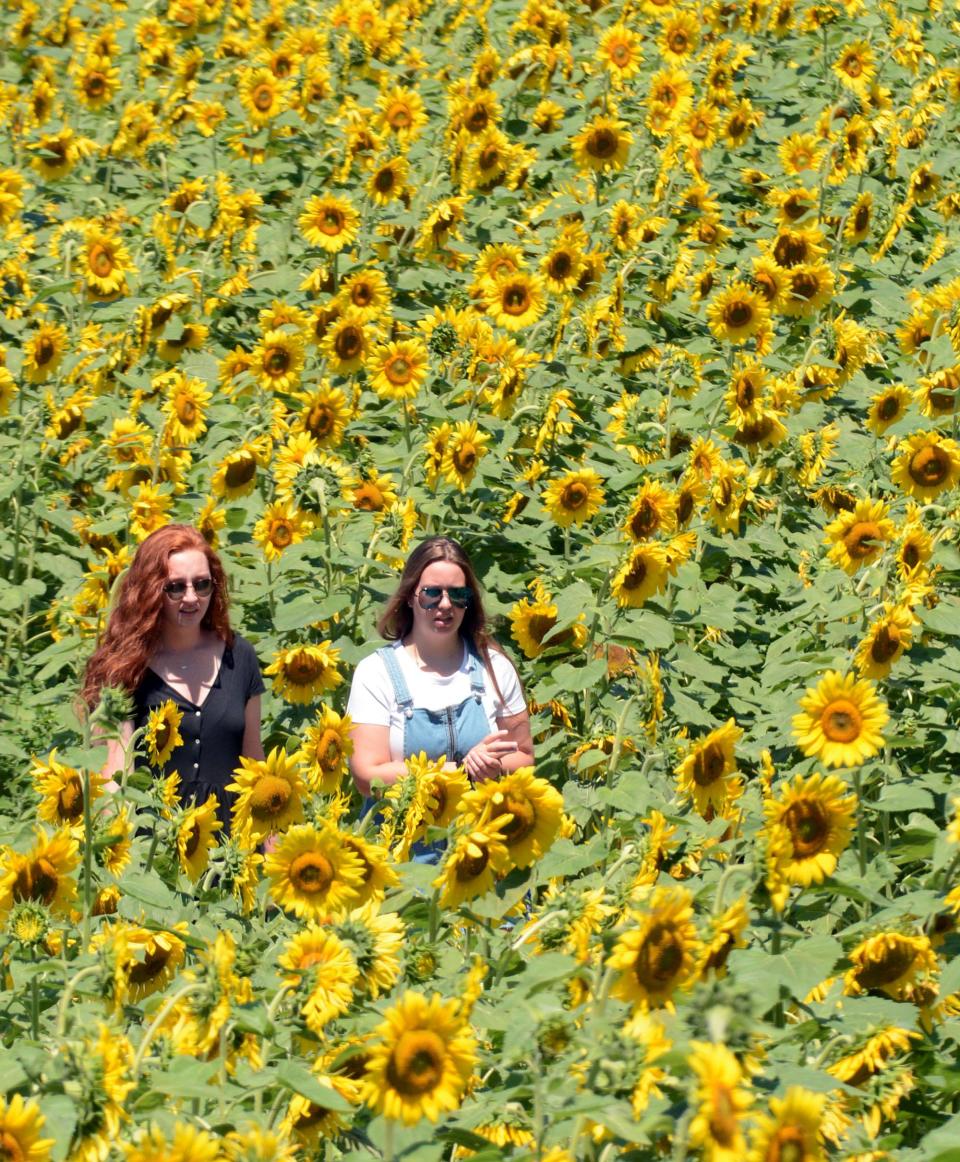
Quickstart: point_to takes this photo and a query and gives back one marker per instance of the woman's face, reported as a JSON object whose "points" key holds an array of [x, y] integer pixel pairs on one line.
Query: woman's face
{"points": [[189, 567], [434, 625]]}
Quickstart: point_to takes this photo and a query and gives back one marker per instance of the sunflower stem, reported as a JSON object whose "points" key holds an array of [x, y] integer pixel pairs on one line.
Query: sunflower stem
{"points": [[68, 993], [861, 825], [389, 1149], [34, 1001], [157, 1022], [87, 859]]}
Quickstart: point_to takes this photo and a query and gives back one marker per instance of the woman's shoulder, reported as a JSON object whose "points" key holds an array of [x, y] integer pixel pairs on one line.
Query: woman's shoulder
{"points": [[500, 661], [372, 664]]}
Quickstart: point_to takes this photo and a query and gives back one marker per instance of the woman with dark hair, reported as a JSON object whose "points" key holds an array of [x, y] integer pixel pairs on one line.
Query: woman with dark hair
{"points": [[169, 640], [442, 687]]}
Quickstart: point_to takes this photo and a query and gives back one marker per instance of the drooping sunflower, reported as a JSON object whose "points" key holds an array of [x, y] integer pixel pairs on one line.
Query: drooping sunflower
{"points": [[602, 144], [887, 639], [793, 1129], [282, 525], [437, 797], [62, 789], [269, 794], [642, 575], [722, 1103], [726, 933], [162, 735], [737, 313], [325, 749], [423, 1062], [573, 498], [533, 625], [841, 721], [859, 538], [151, 959], [310, 1123], [705, 774], [375, 942], [473, 864], [927, 465], [313, 873], [20, 1124], [657, 953], [818, 814], [891, 963], [329, 221], [534, 806], [873, 1055], [466, 446], [654, 510], [399, 369], [197, 836], [514, 300], [377, 873], [185, 407], [43, 875], [321, 964], [302, 673]]}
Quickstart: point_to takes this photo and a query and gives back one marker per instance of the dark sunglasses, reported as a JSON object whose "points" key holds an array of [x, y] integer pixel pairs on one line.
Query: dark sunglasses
{"points": [[430, 596], [176, 589]]}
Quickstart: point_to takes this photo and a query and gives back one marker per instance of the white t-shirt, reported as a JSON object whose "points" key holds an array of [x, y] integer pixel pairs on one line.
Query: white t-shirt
{"points": [[373, 701]]}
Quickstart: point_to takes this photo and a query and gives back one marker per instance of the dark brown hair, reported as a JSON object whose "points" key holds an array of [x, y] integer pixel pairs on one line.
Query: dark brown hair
{"points": [[134, 629]]}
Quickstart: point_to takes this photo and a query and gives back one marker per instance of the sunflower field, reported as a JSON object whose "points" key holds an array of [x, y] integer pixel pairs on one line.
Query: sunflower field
{"points": [[655, 307]]}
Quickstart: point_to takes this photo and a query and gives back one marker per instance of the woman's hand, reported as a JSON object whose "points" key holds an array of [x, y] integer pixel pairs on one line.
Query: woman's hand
{"points": [[485, 760]]}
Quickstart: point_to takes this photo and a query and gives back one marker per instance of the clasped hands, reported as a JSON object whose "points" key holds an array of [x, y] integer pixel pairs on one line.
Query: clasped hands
{"points": [[484, 760]]}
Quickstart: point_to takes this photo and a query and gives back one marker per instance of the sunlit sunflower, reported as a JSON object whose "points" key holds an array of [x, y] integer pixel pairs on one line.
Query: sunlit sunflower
{"points": [[43, 351], [726, 933], [326, 412], [263, 94], [705, 773], [365, 294], [535, 808], [322, 966], [859, 219], [819, 815], [888, 407], [841, 721], [860, 537], [891, 963], [106, 263], [43, 875], [465, 447], [938, 394], [642, 575], [656, 955], [282, 525], [722, 1102], [185, 408], [620, 51], [377, 872], [181, 1143], [151, 959], [873, 1055], [602, 144], [20, 1124], [197, 836], [927, 465], [347, 344], [422, 1062], [855, 67], [793, 1129], [402, 113], [269, 794], [325, 749], [514, 300], [162, 735], [277, 361], [810, 287], [653, 511], [737, 313], [533, 626], [303, 673], [573, 498], [398, 370], [313, 873], [61, 788], [473, 864], [914, 550], [562, 265], [887, 638], [375, 942], [329, 221], [388, 181]]}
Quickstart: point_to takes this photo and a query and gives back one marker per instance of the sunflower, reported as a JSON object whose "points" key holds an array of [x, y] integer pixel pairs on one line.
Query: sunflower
{"points": [[534, 806], [937, 394], [726, 933], [915, 549], [366, 295], [377, 873], [269, 794], [810, 286], [573, 498], [20, 1125], [860, 536], [856, 227], [105, 262], [325, 414], [641, 575], [277, 361], [182, 1143], [324, 752], [302, 673], [890, 962], [887, 407], [61, 788], [399, 369], [310, 1123], [314, 873], [185, 407], [620, 51], [855, 67], [465, 447], [42, 875], [514, 300], [329, 221], [162, 734], [562, 265], [375, 942], [263, 94], [533, 626], [321, 964], [657, 954], [841, 721], [717, 1127], [423, 1062], [793, 1129], [873, 1055], [679, 38], [402, 113], [196, 836], [473, 864], [737, 313], [928, 465], [150, 959], [43, 351], [388, 181], [818, 816], [653, 511], [347, 343], [282, 525], [705, 775], [602, 144], [887, 639]]}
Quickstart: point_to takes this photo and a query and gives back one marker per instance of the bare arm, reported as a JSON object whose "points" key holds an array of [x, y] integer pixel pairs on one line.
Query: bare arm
{"points": [[517, 727], [115, 754], [252, 746], [370, 761]]}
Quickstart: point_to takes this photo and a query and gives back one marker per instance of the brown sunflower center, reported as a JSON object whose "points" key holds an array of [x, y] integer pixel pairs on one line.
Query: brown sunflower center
{"points": [[474, 863], [38, 880], [540, 625], [349, 343], [162, 736], [789, 250], [888, 408], [70, 799], [399, 370], [894, 960], [863, 538], [186, 410], [645, 521], [332, 221], [736, 125], [886, 644], [805, 285], [620, 54], [148, 969], [841, 720], [679, 41], [560, 265], [929, 466], [44, 351], [329, 750], [100, 260], [95, 85], [524, 818], [464, 457], [320, 420], [385, 180], [910, 555], [416, 1063], [738, 314], [192, 840], [399, 117], [263, 98], [853, 67], [369, 498], [269, 797], [362, 294], [281, 534], [861, 220], [515, 299], [276, 361], [574, 496], [723, 1116], [477, 119], [708, 765], [311, 872], [809, 827], [659, 958], [636, 575], [240, 471], [787, 1145], [602, 143]]}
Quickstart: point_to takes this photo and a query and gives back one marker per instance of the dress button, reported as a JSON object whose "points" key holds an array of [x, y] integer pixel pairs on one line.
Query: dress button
{"points": [[196, 742], [198, 714], [196, 766]]}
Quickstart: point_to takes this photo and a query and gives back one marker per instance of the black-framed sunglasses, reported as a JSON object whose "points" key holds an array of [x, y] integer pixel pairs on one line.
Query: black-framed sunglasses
{"points": [[430, 596], [176, 589]]}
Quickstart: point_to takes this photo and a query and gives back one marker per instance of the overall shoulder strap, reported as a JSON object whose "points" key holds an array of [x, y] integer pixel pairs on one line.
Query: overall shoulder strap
{"points": [[475, 670], [400, 689]]}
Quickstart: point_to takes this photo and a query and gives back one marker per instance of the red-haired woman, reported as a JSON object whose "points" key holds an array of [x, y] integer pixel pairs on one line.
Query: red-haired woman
{"points": [[169, 639], [442, 686]]}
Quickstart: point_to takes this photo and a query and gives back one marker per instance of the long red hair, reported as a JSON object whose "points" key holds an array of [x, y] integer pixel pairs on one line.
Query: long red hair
{"points": [[134, 629]]}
